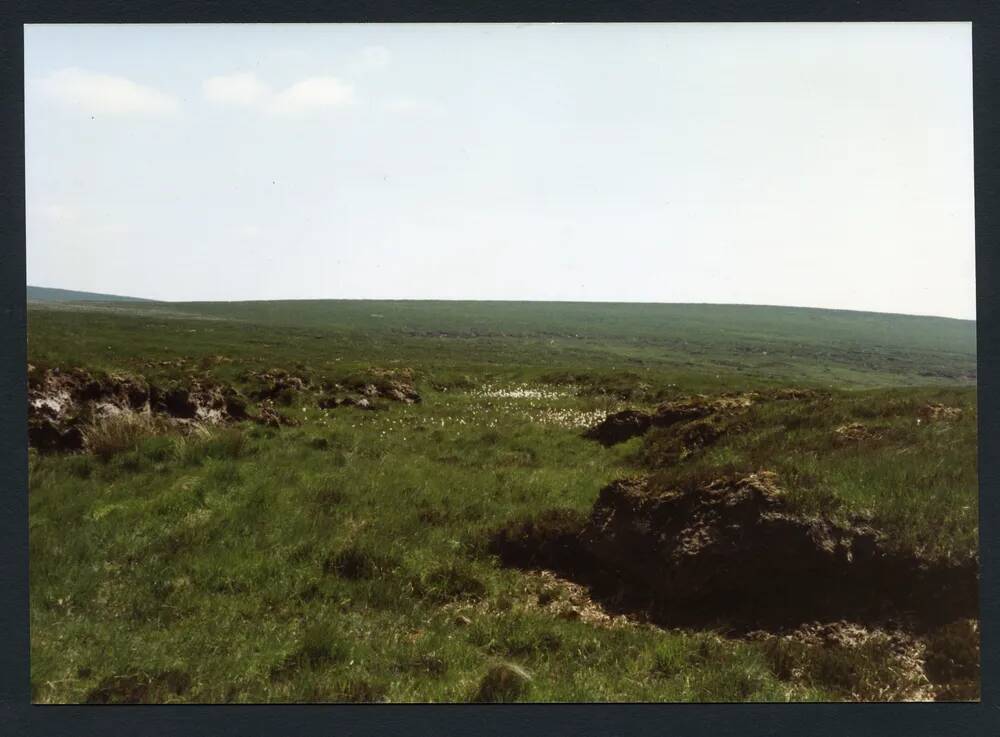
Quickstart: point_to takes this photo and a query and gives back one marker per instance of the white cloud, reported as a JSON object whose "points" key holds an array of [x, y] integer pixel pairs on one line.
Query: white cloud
{"points": [[315, 93], [305, 96], [105, 94], [248, 231], [236, 89]]}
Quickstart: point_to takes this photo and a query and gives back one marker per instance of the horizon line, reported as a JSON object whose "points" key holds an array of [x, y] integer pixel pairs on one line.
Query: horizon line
{"points": [[526, 301]]}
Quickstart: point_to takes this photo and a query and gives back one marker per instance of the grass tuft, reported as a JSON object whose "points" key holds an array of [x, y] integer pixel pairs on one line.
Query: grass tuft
{"points": [[355, 563], [503, 683], [117, 433], [451, 581]]}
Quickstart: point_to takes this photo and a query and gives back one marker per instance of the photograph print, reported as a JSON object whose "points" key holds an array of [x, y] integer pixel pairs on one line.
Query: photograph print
{"points": [[413, 363]]}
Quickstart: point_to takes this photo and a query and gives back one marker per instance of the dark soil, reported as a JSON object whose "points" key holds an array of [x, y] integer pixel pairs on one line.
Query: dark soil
{"points": [[269, 416], [277, 385], [666, 446], [61, 403], [550, 540], [693, 408], [939, 412], [363, 392], [621, 426], [952, 660], [728, 554]]}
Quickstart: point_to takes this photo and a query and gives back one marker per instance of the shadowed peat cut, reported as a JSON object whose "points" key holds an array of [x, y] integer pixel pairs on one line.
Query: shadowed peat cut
{"points": [[65, 406], [728, 551], [729, 554]]}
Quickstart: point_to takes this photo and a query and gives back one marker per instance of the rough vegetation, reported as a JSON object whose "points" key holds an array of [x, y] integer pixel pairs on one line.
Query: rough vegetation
{"points": [[308, 503], [729, 554], [70, 410]]}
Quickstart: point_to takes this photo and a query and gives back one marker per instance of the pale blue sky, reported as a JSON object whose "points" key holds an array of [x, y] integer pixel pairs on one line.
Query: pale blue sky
{"points": [[824, 165]]}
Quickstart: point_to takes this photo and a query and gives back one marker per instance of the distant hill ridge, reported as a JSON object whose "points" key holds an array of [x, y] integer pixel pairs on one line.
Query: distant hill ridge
{"points": [[807, 344], [49, 294]]}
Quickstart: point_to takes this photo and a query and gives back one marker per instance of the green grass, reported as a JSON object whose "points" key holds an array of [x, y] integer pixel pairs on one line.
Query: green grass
{"points": [[915, 480], [710, 346], [345, 559]]}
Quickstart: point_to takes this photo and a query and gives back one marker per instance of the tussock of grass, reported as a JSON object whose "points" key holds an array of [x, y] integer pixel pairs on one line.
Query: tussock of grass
{"points": [[321, 643], [451, 581], [355, 563], [113, 434], [504, 682], [219, 443]]}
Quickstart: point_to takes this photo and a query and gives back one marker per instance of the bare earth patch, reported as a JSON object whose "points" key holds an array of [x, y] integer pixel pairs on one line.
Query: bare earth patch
{"points": [[831, 602]]}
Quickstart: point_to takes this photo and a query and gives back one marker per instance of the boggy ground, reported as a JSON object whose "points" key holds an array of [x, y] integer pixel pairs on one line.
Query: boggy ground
{"points": [[353, 556], [346, 551], [737, 554]]}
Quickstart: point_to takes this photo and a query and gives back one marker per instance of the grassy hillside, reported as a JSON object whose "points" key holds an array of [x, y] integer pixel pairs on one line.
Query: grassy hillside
{"points": [[49, 294], [347, 558], [751, 344]]}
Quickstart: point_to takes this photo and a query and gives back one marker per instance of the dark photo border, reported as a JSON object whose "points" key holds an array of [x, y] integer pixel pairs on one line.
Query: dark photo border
{"points": [[19, 717]]}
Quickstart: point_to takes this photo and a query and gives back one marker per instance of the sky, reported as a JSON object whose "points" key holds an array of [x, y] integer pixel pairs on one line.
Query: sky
{"points": [[823, 165]]}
